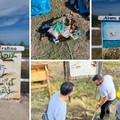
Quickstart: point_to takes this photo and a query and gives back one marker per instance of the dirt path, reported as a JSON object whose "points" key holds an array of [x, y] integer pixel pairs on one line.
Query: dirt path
{"points": [[73, 49], [15, 110]]}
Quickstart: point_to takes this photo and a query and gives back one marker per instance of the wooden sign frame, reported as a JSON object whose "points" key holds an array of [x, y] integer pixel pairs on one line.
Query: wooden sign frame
{"points": [[40, 77]]}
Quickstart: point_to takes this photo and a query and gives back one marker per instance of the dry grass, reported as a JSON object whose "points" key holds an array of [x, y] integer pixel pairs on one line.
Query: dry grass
{"points": [[112, 53], [73, 49], [83, 101]]}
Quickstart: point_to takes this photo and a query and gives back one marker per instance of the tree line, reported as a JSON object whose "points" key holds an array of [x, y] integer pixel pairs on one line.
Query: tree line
{"points": [[25, 53]]}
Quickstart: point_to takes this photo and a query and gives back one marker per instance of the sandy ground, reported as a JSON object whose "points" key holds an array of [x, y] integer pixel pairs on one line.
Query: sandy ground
{"points": [[15, 110]]}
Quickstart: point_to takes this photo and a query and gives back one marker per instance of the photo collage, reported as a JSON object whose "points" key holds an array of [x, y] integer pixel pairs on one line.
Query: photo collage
{"points": [[60, 60]]}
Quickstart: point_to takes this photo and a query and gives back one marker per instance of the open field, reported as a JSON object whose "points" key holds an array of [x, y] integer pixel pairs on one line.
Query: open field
{"points": [[83, 101], [70, 49]]}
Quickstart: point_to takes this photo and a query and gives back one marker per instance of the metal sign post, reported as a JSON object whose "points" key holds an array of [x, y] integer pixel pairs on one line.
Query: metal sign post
{"points": [[99, 72]]}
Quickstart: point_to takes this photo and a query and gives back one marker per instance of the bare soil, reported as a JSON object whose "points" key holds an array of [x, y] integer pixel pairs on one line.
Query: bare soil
{"points": [[15, 109]]}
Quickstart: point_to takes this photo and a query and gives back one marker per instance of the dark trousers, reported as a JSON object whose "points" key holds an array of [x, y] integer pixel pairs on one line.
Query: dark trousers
{"points": [[105, 108], [117, 118]]}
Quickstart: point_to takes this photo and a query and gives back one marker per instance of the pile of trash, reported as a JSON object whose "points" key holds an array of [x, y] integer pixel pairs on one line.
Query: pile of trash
{"points": [[63, 27]]}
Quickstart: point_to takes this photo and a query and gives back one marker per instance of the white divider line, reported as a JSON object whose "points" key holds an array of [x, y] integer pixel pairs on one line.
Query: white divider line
{"points": [[24, 80], [97, 46], [25, 60], [96, 28]]}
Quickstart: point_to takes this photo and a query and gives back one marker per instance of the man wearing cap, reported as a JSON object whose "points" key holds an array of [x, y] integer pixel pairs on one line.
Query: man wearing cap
{"points": [[107, 92]]}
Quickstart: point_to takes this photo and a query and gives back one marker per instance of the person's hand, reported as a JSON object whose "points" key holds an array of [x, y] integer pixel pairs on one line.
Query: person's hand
{"points": [[97, 106]]}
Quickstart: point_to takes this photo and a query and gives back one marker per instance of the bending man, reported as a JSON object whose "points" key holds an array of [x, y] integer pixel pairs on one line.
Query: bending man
{"points": [[107, 92]]}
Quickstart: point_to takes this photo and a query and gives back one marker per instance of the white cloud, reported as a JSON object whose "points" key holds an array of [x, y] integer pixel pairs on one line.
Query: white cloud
{"points": [[9, 22], [12, 14], [8, 11], [11, 11], [10, 7]]}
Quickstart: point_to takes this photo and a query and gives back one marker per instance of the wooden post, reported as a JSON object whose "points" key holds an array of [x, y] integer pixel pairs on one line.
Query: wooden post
{"points": [[99, 72], [66, 67], [66, 74], [48, 81], [65, 70], [100, 67]]}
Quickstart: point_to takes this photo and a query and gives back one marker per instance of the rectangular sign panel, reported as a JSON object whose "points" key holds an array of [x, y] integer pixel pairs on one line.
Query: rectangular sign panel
{"points": [[82, 68], [10, 74], [111, 34], [11, 48], [109, 18]]}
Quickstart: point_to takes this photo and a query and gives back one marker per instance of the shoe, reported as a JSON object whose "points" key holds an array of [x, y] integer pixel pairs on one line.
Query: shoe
{"points": [[98, 118], [54, 41], [108, 112]]}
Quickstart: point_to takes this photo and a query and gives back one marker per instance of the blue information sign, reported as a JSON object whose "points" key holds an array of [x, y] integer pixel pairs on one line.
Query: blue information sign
{"points": [[111, 34]]}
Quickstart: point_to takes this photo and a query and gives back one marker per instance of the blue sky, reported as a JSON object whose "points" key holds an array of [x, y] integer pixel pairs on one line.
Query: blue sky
{"points": [[14, 21], [104, 7]]}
